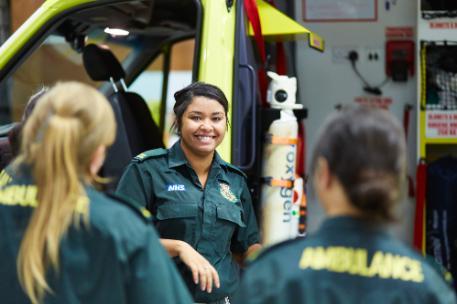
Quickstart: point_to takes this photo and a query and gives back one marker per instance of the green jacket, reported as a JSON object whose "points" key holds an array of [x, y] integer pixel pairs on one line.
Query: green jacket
{"points": [[346, 261], [216, 220], [117, 258]]}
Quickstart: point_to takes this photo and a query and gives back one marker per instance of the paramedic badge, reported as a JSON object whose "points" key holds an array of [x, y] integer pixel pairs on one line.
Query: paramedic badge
{"points": [[140, 156], [227, 193]]}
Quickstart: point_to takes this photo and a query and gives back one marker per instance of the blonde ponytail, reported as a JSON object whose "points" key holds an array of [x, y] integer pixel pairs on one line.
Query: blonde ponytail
{"points": [[70, 122]]}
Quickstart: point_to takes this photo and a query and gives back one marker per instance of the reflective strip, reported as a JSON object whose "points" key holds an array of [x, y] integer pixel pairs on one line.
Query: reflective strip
{"points": [[274, 182], [279, 140]]}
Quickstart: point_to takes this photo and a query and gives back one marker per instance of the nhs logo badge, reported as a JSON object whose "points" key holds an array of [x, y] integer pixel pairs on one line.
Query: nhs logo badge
{"points": [[176, 188]]}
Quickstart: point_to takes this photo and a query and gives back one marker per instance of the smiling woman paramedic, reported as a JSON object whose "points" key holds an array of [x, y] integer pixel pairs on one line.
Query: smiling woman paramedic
{"points": [[358, 167], [70, 243], [201, 204]]}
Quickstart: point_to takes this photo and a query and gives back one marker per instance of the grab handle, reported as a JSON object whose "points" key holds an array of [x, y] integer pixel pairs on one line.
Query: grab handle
{"points": [[254, 118]]}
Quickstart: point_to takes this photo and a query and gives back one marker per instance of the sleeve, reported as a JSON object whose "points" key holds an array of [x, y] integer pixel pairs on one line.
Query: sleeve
{"points": [[249, 235], [135, 186], [445, 294], [440, 281], [153, 276]]}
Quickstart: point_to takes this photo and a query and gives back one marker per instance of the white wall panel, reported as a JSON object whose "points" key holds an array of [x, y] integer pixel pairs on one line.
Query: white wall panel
{"points": [[326, 80]]}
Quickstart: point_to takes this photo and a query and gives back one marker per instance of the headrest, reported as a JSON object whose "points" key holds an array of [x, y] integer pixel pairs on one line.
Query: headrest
{"points": [[101, 64], [5, 129]]}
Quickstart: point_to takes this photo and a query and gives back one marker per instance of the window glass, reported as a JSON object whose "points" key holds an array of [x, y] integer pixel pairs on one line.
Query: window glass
{"points": [[55, 60], [149, 85]]}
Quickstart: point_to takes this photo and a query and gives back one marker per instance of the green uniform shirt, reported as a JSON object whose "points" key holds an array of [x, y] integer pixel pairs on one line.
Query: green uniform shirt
{"points": [[215, 220], [116, 259], [346, 261]]}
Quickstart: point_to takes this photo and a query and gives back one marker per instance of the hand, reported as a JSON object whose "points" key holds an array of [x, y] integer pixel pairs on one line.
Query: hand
{"points": [[202, 271]]}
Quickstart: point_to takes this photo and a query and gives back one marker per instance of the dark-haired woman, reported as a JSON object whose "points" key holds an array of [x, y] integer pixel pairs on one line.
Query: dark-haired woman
{"points": [[359, 163], [201, 204]]}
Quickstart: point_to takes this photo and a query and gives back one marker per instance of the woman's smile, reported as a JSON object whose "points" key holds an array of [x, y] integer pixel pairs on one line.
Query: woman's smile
{"points": [[205, 139], [203, 126]]}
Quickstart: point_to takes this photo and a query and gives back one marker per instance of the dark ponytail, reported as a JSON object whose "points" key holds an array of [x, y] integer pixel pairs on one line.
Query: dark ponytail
{"points": [[365, 150]]}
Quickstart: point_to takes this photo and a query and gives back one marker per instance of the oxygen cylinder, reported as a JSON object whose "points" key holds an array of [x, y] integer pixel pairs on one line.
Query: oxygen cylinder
{"points": [[278, 172]]}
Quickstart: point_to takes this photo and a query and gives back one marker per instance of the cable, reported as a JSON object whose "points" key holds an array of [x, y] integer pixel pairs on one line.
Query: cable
{"points": [[353, 56], [354, 68]]}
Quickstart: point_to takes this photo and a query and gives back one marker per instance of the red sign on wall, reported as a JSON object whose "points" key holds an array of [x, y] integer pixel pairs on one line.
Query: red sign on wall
{"points": [[441, 124], [443, 25], [376, 101], [399, 32]]}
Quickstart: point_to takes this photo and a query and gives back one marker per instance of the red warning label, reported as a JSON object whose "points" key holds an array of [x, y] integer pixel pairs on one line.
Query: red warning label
{"points": [[441, 124], [376, 101], [443, 25], [399, 32]]}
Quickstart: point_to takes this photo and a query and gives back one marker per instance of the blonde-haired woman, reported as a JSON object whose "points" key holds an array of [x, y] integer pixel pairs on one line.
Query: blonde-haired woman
{"points": [[61, 240]]}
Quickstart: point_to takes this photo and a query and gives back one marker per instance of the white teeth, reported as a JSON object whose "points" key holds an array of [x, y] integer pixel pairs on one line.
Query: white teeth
{"points": [[204, 138]]}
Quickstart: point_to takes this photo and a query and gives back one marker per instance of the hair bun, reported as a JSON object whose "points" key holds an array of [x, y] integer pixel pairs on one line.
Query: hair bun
{"points": [[374, 196]]}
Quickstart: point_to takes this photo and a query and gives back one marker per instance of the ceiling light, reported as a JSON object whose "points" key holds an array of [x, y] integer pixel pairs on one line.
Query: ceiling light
{"points": [[116, 31]]}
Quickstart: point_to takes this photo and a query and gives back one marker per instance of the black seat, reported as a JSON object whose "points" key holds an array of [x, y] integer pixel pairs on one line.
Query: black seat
{"points": [[8, 150], [136, 130], [6, 155]]}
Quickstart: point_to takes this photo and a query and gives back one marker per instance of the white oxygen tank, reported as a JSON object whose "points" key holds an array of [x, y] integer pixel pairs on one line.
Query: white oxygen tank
{"points": [[278, 173]]}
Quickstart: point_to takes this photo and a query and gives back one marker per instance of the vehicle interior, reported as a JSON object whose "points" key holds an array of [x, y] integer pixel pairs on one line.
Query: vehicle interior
{"points": [[136, 52]]}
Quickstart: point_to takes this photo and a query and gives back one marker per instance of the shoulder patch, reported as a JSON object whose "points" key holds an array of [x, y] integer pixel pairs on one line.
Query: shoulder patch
{"points": [[143, 213], [150, 154], [235, 169], [266, 250]]}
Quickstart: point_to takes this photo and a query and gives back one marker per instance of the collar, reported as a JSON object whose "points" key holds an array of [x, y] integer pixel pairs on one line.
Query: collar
{"points": [[176, 158], [221, 166], [339, 223], [19, 172]]}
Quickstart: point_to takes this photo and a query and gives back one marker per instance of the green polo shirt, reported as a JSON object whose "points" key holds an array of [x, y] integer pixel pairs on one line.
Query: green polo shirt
{"points": [[345, 261], [117, 258], [216, 220]]}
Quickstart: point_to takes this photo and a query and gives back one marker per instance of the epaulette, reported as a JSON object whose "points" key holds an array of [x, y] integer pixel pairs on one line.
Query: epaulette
{"points": [[258, 255], [142, 212], [150, 154], [235, 169]]}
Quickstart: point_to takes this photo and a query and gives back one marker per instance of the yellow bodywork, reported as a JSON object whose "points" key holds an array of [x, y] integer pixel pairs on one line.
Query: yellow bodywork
{"points": [[42, 15], [217, 55], [277, 26]]}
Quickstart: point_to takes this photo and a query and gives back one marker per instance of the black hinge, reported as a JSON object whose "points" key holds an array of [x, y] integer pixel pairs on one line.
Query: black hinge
{"points": [[229, 4]]}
